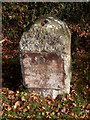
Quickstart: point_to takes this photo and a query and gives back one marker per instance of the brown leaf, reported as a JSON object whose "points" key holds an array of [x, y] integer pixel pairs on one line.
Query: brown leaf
{"points": [[20, 109], [23, 98], [4, 90], [1, 113], [11, 97], [63, 110], [88, 106], [9, 108], [72, 113], [89, 90], [28, 107], [17, 104], [10, 92], [43, 113], [43, 108], [74, 104], [57, 110], [24, 110], [47, 113], [17, 92], [83, 116]]}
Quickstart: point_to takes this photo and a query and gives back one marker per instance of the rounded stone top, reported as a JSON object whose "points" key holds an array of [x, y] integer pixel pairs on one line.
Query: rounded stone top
{"points": [[47, 34]]}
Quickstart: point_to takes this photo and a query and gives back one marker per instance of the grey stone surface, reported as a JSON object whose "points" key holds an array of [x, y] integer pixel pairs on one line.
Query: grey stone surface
{"points": [[45, 54]]}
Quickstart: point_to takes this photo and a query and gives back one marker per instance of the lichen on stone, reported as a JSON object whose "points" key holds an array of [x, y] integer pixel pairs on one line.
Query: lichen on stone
{"points": [[49, 35]]}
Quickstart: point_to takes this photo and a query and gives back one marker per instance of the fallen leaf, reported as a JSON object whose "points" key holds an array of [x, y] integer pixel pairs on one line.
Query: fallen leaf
{"points": [[9, 108], [63, 110], [10, 92], [11, 97], [28, 107], [43, 107], [1, 113], [74, 104], [17, 92], [24, 110], [43, 113], [23, 98], [47, 113], [83, 116], [4, 90], [88, 106], [17, 104]]}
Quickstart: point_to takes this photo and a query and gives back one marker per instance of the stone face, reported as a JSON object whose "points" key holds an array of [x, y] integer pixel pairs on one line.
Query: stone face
{"points": [[45, 54]]}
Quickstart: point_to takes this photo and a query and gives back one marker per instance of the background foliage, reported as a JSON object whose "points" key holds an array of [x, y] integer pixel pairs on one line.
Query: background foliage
{"points": [[17, 18]]}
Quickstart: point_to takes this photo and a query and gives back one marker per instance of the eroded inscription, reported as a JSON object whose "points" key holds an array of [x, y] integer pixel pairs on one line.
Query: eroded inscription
{"points": [[43, 70]]}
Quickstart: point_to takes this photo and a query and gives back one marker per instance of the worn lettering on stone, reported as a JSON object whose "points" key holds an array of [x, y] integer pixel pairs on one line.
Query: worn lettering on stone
{"points": [[45, 52]]}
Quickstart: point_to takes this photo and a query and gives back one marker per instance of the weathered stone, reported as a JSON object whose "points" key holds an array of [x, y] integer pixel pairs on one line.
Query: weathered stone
{"points": [[46, 57]]}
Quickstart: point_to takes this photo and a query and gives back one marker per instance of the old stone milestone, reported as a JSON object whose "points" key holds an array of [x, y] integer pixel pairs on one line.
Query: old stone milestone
{"points": [[45, 55]]}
